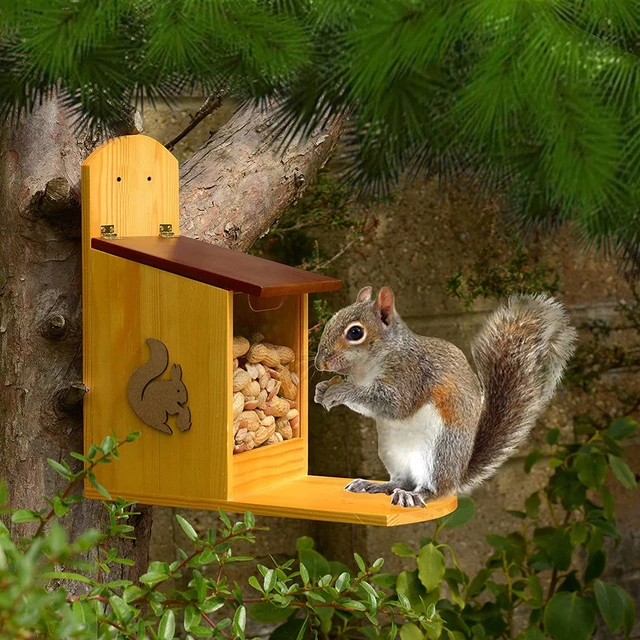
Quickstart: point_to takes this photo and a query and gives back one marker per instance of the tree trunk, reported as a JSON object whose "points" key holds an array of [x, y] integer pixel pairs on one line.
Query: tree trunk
{"points": [[233, 188]]}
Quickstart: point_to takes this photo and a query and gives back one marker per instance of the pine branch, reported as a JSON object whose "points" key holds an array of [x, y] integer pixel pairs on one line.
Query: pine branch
{"points": [[211, 104]]}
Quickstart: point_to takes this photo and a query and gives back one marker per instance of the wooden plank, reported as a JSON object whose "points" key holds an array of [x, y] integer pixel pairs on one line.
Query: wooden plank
{"points": [[313, 498], [129, 303], [218, 266], [267, 467]]}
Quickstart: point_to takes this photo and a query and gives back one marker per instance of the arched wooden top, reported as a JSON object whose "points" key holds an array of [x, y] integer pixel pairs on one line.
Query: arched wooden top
{"points": [[130, 182]]}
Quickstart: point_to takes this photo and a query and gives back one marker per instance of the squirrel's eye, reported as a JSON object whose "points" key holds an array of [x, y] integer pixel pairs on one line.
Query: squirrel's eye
{"points": [[355, 333]]}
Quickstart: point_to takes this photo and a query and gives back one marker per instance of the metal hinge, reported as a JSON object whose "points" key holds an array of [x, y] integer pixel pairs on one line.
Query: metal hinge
{"points": [[166, 231], [108, 232]]}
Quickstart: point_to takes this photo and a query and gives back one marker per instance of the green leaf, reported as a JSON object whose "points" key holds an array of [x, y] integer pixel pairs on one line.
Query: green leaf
{"points": [[578, 533], [498, 542], [58, 468], [622, 472], [552, 436], [267, 613], [315, 563], [24, 515], [463, 514], [167, 626], [610, 603], [569, 617], [360, 562], [107, 445], [595, 565], [239, 621], [592, 469], [430, 567], [187, 528], [629, 610], [153, 577], [270, 579], [403, 550], [342, 581], [98, 487], [304, 574], [304, 542], [66, 575], [532, 459], [532, 505], [386, 580], [411, 632], [191, 618], [290, 630], [622, 428], [123, 611]]}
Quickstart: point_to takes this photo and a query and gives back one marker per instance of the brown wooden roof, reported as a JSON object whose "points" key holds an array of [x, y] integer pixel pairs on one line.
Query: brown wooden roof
{"points": [[220, 267]]}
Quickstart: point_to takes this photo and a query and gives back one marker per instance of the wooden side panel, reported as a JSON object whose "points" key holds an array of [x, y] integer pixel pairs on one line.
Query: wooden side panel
{"points": [[130, 303]]}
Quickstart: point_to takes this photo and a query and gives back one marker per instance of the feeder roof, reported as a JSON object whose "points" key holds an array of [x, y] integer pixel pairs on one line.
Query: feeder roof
{"points": [[217, 266]]}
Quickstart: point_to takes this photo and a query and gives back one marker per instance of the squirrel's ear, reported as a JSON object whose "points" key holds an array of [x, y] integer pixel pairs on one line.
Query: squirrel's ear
{"points": [[176, 372], [386, 304], [364, 295]]}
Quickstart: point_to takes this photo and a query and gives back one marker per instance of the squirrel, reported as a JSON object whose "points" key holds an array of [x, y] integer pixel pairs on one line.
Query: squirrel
{"points": [[442, 429], [154, 400]]}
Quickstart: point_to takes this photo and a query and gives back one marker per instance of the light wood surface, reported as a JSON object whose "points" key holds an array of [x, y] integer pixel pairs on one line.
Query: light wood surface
{"points": [[193, 320], [313, 498]]}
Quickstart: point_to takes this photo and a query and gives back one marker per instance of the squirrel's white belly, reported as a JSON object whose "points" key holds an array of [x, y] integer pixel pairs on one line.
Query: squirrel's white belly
{"points": [[408, 447]]}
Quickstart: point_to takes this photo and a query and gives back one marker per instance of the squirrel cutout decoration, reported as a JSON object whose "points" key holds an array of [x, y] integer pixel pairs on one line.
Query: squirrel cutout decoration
{"points": [[155, 400], [442, 428]]}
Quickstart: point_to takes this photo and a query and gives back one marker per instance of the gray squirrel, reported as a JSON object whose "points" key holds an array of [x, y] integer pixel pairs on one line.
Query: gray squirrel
{"points": [[442, 429], [154, 400]]}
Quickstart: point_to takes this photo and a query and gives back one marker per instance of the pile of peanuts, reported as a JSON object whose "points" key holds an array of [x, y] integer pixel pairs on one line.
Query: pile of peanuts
{"points": [[264, 394]]}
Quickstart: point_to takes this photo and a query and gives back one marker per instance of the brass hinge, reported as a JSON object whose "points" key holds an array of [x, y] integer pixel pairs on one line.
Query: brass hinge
{"points": [[166, 231], [108, 232]]}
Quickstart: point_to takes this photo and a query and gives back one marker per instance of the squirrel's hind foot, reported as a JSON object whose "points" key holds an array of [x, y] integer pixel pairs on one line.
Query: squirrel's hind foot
{"points": [[409, 499], [365, 486]]}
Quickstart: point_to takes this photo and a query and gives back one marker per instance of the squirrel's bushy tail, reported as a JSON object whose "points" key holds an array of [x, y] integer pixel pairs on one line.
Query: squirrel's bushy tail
{"points": [[520, 354]]}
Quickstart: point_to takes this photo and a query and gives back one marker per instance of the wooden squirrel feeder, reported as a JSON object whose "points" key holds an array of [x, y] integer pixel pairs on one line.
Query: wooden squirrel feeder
{"points": [[159, 315]]}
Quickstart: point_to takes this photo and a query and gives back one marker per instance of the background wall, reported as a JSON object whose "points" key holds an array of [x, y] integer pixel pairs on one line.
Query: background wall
{"points": [[421, 239]]}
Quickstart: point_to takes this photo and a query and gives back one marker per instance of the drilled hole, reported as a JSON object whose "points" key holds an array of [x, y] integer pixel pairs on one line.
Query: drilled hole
{"points": [[118, 178], [149, 178]]}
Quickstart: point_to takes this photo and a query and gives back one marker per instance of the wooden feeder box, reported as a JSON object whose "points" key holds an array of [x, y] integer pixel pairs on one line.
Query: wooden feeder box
{"points": [[142, 281]]}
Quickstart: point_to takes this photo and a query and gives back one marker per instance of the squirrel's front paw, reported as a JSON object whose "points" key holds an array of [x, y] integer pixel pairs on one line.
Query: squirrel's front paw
{"points": [[321, 389], [329, 394]]}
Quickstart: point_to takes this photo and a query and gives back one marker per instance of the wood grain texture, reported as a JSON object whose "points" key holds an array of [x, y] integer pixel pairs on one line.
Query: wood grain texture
{"points": [[133, 302], [312, 498], [220, 267]]}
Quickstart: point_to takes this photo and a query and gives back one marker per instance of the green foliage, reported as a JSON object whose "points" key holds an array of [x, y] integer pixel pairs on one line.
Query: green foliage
{"points": [[536, 100], [498, 273]]}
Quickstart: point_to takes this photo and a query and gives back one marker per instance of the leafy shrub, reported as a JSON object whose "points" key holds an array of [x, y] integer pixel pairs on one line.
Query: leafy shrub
{"points": [[533, 569]]}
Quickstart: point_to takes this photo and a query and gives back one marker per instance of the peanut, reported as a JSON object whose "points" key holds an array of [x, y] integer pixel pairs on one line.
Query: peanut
{"points": [[240, 379], [240, 346], [265, 355], [251, 418], [262, 399], [238, 404], [264, 433], [242, 434], [256, 337], [252, 370], [273, 439], [268, 421], [293, 413], [251, 404], [264, 380], [289, 390], [277, 407], [252, 389], [295, 378], [284, 428]]}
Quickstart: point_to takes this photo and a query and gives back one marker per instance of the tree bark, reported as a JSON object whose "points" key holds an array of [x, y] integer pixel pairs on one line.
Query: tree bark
{"points": [[233, 188], [238, 183]]}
